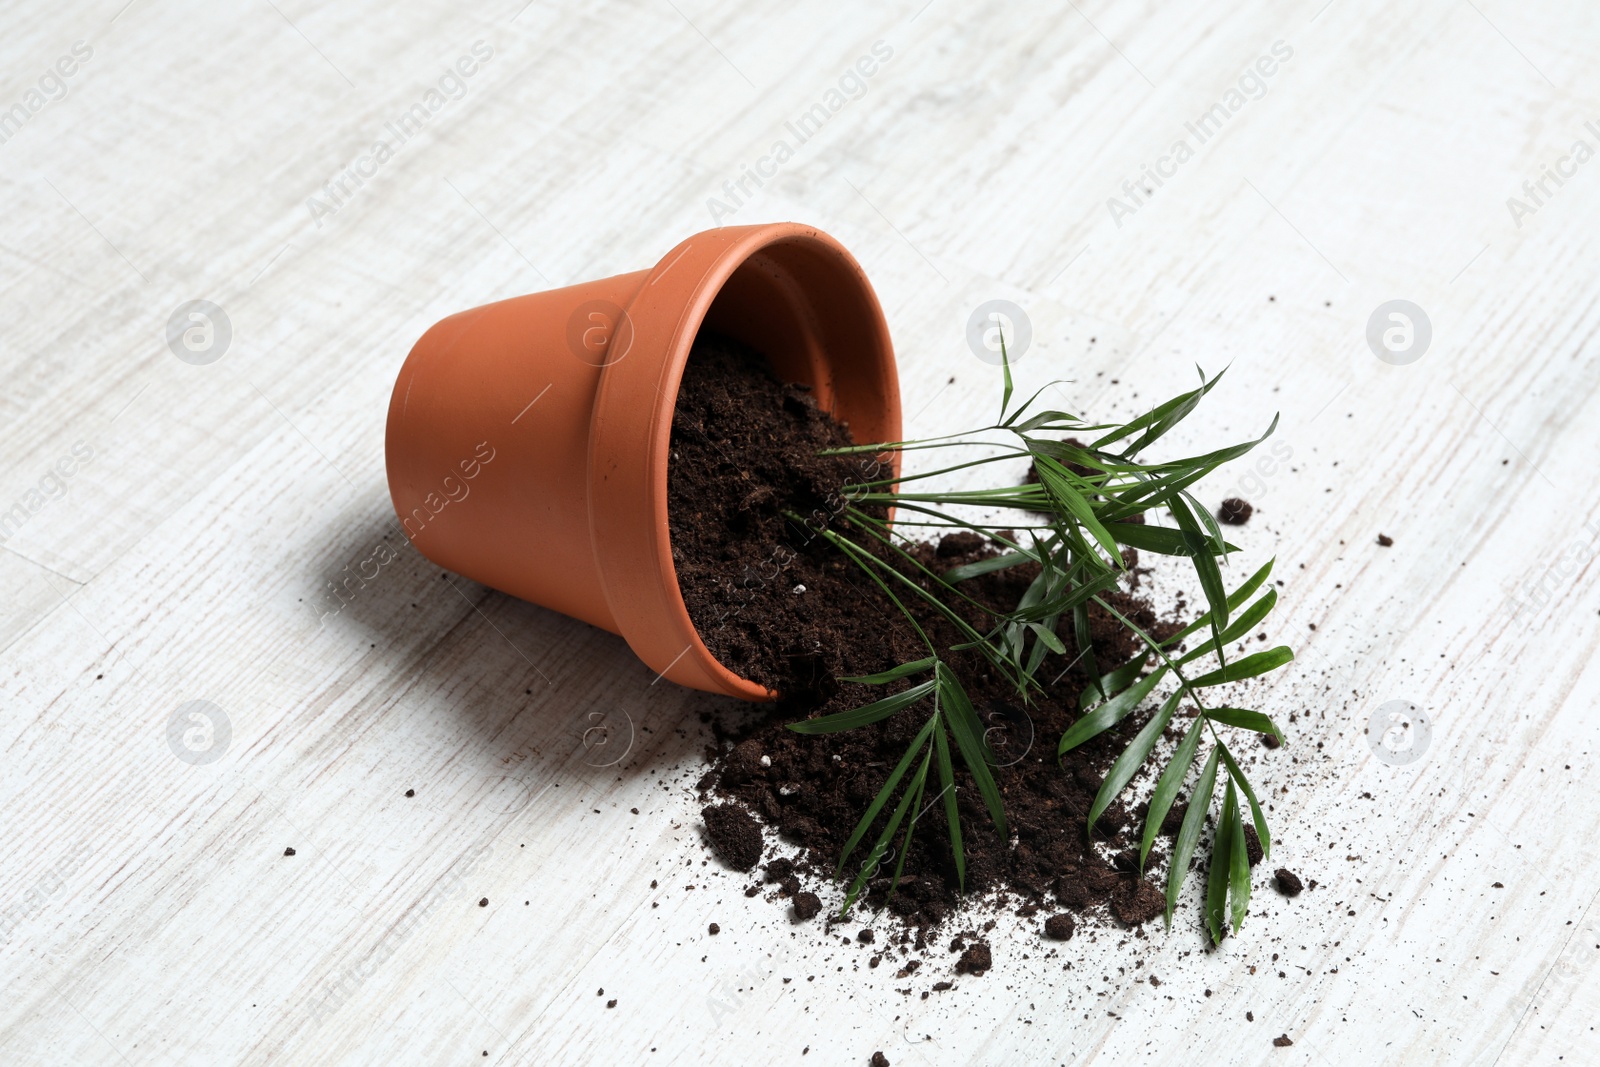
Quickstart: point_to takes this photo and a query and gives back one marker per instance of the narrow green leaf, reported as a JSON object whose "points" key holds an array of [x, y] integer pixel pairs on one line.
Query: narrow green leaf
{"points": [[1080, 593], [1165, 416], [1175, 476], [968, 731], [1246, 719], [1066, 453], [1161, 540], [864, 715], [914, 791], [1221, 868], [1132, 758], [884, 838], [1057, 481], [1048, 637], [1050, 579], [1016, 633], [1040, 650], [1025, 405], [1189, 833], [1250, 666], [905, 670], [1108, 714], [1044, 419], [1084, 637], [1256, 814], [1005, 362], [1205, 566], [1113, 682], [871, 565], [1240, 627], [1239, 867], [1167, 786], [1208, 521], [1011, 641], [883, 794], [947, 777], [985, 566]]}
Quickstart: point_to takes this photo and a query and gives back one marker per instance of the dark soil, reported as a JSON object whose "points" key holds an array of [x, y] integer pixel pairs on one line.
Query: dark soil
{"points": [[743, 448], [975, 960], [806, 906], [735, 836], [1235, 512], [1288, 882], [763, 589], [1059, 927]]}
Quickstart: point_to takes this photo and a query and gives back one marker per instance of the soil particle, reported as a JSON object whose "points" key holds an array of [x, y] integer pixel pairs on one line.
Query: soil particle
{"points": [[1235, 512], [288, 852], [1059, 927], [975, 960], [878, 1060], [1137, 901], [735, 836], [744, 761], [1252, 845], [611, 1003], [1282, 1041], [865, 936], [713, 929], [1288, 882], [1385, 540], [963, 543], [806, 906]]}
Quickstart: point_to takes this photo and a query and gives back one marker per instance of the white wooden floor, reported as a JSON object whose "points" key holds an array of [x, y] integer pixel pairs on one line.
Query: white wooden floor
{"points": [[172, 527]]}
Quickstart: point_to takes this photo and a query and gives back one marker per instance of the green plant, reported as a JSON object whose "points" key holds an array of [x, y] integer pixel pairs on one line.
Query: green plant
{"points": [[1086, 497]]}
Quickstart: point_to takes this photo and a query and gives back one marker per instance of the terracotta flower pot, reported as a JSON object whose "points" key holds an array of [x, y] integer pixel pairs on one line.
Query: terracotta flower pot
{"points": [[527, 441]]}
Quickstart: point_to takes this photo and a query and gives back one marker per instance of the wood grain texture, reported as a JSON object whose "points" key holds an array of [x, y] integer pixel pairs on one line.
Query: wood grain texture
{"points": [[148, 913]]}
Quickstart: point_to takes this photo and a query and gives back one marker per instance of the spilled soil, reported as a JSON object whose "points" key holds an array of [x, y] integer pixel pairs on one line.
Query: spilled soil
{"points": [[777, 601]]}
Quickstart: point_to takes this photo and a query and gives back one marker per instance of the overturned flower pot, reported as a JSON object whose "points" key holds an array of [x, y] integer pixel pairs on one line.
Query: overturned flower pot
{"points": [[527, 441]]}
